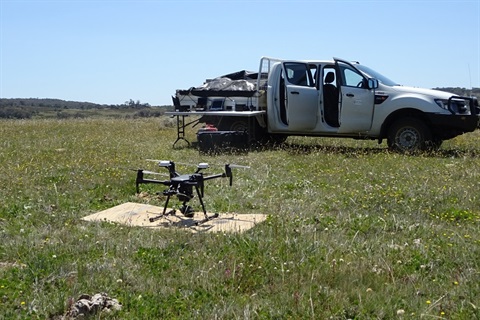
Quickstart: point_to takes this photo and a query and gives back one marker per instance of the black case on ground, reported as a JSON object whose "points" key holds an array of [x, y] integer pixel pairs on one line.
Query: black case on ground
{"points": [[222, 141]]}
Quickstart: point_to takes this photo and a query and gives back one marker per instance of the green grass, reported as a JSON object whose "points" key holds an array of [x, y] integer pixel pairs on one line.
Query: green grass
{"points": [[353, 231]]}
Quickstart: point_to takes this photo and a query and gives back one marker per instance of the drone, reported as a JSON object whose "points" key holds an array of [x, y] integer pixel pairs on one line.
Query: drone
{"points": [[182, 185]]}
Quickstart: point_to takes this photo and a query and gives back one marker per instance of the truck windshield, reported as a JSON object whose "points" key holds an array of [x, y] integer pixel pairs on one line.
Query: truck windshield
{"points": [[374, 74]]}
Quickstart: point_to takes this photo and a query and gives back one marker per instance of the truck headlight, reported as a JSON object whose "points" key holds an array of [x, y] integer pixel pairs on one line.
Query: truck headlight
{"points": [[456, 106], [442, 103]]}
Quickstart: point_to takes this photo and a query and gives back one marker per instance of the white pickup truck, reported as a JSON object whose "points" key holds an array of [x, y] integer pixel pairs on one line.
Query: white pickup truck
{"points": [[324, 98]]}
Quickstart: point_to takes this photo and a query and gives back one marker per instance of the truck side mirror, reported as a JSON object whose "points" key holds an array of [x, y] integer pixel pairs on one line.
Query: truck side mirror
{"points": [[372, 83]]}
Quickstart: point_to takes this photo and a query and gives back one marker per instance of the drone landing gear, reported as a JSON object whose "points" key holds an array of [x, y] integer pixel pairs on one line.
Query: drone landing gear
{"points": [[185, 209]]}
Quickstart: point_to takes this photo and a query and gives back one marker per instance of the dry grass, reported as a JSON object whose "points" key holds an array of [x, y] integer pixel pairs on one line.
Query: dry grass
{"points": [[354, 231]]}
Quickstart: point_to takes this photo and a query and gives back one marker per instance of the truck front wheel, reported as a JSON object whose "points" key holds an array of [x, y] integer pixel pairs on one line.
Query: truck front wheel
{"points": [[409, 135]]}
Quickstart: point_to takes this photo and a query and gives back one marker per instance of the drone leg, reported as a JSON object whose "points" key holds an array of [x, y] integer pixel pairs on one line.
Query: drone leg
{"points": [[207, 218], [153, 219], [139, 180], [201, 202], [166, 205]]}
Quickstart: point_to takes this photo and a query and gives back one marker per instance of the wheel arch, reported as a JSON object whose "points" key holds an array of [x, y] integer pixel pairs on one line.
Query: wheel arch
{"points": [[398, 114]]}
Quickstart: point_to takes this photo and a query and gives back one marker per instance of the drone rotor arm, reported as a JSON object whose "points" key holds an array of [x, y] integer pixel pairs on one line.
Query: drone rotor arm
{"points": [[214, 176], [140, 179]]}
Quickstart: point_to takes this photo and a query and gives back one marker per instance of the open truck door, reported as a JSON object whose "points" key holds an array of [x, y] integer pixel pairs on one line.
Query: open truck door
{"points": [[356, 97], [293, 98]]}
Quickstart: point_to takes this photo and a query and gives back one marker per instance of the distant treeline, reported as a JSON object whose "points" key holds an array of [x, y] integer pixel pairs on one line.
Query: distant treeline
{"points": [[63, 104], [40, 108], [18, 108], [462, 91]]}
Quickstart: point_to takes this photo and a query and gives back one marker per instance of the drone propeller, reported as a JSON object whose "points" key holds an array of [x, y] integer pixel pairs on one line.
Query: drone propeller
{"points": [[154, 160], [238, 166], [161, 163], [147, 172], [153, 172], [201, 165], [168, 161]]}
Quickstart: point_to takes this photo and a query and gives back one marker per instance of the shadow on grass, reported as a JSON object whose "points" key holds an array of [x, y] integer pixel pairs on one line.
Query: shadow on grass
{"points": [[343, 150], [455, 153], [297, 148]]}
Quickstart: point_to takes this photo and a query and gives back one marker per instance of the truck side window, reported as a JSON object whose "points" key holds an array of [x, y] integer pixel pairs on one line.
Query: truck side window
{"points": [[299, 74], [352, 78]]}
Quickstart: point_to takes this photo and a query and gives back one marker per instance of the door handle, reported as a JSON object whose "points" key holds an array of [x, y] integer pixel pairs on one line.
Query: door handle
{"points": [[295, 92], [351, 95]]}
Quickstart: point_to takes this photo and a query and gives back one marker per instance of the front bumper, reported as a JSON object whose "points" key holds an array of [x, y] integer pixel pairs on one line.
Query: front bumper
{"points": [[457, 122], [448, 126]]}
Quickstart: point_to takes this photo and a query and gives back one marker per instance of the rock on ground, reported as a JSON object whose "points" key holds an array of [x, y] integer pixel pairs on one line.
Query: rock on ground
{"points": [[87, 306]]}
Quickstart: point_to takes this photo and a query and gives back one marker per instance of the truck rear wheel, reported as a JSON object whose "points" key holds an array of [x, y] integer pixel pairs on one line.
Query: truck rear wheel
{"points": [[239, 125], [409, 135], [257, 134]]}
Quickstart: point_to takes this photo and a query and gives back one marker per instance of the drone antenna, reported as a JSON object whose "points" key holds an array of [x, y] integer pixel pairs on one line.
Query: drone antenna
{"points": [[201, 166], [170, 165]]}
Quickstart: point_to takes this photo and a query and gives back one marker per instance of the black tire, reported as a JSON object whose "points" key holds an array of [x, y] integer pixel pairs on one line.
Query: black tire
{"points": [[233, 125], [275, 139], [409, 135], [434, 144], [239, 125]]}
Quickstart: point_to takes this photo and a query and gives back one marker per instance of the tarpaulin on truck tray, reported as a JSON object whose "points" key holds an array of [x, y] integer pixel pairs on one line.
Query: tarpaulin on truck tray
{"points": [[241, 75], [238, 84]]}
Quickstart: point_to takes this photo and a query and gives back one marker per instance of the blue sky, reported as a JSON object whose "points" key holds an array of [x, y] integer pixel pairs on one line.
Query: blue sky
{"points": [[111, 51]]}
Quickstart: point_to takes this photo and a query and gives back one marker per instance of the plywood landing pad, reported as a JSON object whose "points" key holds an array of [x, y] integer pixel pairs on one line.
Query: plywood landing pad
{"points": [[138, 214]]}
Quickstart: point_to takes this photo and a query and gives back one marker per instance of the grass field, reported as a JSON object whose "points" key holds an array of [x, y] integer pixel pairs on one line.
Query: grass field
{"points": [[353, 231]]}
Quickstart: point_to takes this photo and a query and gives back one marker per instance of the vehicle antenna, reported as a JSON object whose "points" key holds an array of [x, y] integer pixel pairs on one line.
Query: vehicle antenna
{"points": [[470, 79]]}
